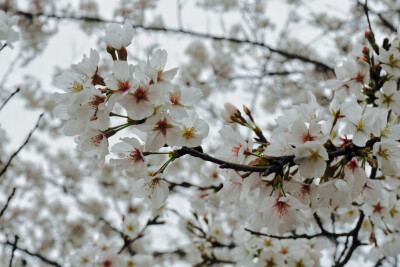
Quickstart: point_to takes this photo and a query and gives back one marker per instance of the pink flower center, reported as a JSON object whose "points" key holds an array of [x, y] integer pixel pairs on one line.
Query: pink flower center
{"points": [[97, 139], [305, 189], [97, 100], [140, 95], [174, 98], [281, 207], [136, 156], [123, 86], [359, 78], [236, 149], [308, 137], [107, 263], [352, 165], [162, 126]]}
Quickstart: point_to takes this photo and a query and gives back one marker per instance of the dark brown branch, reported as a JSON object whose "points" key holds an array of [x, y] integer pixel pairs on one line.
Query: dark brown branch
{"points": [[384, 21], [355, 243], [33, 254], [8, 202], [172, 185], [128, 242], [8, 98], [294, 236], [21, 147], [277, 163], [367, 15], [286, 54], [1, 48], [13, 250]]}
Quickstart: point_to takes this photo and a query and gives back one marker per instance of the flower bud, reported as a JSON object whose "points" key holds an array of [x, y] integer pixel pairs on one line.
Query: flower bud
{"points": [[230, 112]]}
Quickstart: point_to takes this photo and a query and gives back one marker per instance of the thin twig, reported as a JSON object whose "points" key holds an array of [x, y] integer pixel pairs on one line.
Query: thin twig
{"points": [[33, 254], [367, 15], [13, 250], [8, 202], [286, 54], [8, 99], [21, 147], [384, 21], [1, 48]]}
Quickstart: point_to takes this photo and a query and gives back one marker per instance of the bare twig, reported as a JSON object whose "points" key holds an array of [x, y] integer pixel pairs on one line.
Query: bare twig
{"points": [[13, 250], [283, 53], [367, 15], [8, 202], [21, 147], [1, 48], [8, 98], [384, 21], [33, 254]]}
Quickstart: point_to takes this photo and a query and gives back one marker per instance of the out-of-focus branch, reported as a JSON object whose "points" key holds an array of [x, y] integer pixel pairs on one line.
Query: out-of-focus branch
{"points": [[8, 202], [8, 98], [32, 254], [21, 147], [384, 21], [13, 250], [283, 53]]}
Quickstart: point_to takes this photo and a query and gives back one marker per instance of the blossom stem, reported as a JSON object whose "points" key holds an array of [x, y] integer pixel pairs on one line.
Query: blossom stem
{"points": [[164, 166], [147, 153], [112, 114]]}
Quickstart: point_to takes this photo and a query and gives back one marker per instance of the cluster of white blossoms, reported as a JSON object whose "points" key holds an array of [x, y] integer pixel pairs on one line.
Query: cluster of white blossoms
{"points": [[7, 34], [315, 161], [151, 102]]}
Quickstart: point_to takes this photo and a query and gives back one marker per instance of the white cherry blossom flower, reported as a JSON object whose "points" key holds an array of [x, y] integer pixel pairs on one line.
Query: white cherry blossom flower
{"points": [[388, 155], [88, 67], [119, 37], [193, 131], [390, 59], [359, 123], [7, 33], [154, 188], [121, 79], [311, 157], [279, 150], [131, 226], [281, 214], [232, 187], [154, 69], [133, 162], [161, 129], [180, 99], [389, 97], [235, 146], [94, 143], [140, 102], [300, 133]]}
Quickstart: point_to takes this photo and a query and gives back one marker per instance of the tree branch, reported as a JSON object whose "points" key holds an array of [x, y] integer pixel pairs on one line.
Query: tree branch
{"points": [[283, 53], [276, 163], [33, 254], [384, 21], [8, 202], [354, 242], [8, 98], [21, 147], [13, 250]]}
